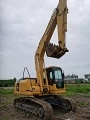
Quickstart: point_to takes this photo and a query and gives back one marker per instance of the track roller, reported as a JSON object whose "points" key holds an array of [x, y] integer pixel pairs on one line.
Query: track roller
{"points": [[41, 113]]}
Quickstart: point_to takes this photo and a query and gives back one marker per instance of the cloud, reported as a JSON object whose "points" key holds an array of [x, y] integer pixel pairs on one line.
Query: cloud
{"points": [[22, 25]]}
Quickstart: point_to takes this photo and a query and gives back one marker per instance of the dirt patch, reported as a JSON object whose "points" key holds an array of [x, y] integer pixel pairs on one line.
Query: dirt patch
{"points": [[8, 112]]}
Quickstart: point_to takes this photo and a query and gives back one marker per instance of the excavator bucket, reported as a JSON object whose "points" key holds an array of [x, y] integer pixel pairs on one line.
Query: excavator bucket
{"points": [[54, 50]]}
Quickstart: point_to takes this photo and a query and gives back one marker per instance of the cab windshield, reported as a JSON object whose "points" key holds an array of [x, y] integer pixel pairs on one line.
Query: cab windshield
{"points": [[58, 78], [57, 74]]}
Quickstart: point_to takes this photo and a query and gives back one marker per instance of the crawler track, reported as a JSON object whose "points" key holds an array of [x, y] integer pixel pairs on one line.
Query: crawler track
{"points": [[65, 104], [73, 103], [68, 104], [33, 105], [43, 108]]}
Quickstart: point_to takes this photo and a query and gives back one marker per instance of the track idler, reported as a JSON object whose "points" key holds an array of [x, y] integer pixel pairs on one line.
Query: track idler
{"points": [[54, 51]]}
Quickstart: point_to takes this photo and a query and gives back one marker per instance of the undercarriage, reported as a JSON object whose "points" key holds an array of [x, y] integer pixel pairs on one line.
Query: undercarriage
{"points": [[43, 106]]}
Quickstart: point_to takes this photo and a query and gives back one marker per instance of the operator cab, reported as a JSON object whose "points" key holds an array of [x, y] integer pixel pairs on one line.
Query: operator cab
{"points": [[55, 76]]}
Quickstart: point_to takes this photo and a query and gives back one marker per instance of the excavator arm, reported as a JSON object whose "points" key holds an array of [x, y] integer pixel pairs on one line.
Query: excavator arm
{"points": [[59, 18]]}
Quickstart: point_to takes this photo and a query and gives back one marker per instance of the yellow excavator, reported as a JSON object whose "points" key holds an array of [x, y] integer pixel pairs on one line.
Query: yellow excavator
{"points": [[43, 93]]}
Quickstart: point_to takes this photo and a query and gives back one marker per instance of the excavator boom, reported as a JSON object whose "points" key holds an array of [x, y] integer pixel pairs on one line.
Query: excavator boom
{"points": [[59, 18]]}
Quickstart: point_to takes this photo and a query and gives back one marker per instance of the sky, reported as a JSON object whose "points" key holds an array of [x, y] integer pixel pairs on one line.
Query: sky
{"points": [[22, 24]]}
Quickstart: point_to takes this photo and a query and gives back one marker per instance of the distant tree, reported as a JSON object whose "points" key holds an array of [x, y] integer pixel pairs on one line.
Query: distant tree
{"points": [[7, 83], [14, 79]]}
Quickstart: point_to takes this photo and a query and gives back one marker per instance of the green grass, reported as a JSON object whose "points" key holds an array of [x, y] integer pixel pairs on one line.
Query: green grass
{"points": [[6, 91], [87, 95], [69, 93], [82, 104], [78, 88], [72, 89]]}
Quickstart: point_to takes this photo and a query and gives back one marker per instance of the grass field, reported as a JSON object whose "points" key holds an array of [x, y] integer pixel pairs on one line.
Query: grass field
{"points": [[71, 89], [80, 88], [6, 91]]}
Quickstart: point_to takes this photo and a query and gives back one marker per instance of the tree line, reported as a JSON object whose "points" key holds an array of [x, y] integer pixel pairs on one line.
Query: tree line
{"points": [[7, 83]]}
